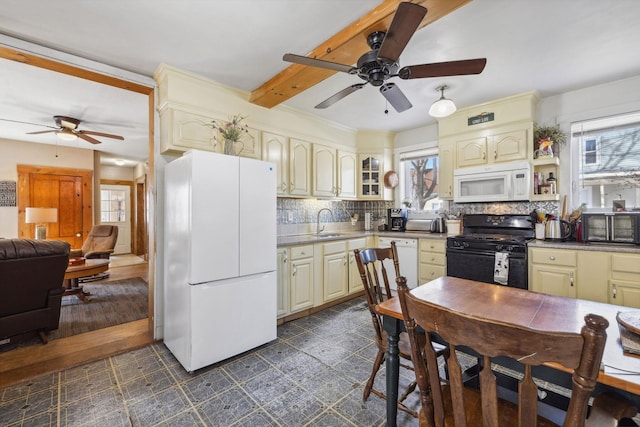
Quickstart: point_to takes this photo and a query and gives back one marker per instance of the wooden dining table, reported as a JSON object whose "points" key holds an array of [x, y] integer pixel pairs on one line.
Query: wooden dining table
{"points": [[521, 307]]}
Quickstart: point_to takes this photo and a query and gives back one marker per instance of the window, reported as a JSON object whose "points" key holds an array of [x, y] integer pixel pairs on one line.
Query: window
{"points": [[590, 151], [112, 206], [419, 180], [608, 160]]}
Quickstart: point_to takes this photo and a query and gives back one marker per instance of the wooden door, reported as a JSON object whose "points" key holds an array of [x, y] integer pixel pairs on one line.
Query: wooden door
{"points": [[62, 192], [68, 190]]}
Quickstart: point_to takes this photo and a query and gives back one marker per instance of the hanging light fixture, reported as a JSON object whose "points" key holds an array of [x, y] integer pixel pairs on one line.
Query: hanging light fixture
{"points": [[443, 107]]}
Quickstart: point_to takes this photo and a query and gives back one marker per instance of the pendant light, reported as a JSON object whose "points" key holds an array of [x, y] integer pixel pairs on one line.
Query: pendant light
{"points": [[443, 107]]}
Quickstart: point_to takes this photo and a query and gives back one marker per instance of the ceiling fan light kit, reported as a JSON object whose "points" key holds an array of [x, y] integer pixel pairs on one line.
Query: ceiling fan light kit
{"points": [[381, 62], [66, 135], [443, 107]]}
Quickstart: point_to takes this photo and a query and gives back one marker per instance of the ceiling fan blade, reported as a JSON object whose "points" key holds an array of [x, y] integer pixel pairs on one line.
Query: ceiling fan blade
{"points": [[41, 131], [105, 135], [299, 59], [405, 22], [87, 138], [27, 123], [338, 96], [395, 97], [442, 69]]}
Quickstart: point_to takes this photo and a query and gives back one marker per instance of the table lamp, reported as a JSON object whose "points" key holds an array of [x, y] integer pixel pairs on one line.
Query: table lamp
{"points": [[41, 217]]}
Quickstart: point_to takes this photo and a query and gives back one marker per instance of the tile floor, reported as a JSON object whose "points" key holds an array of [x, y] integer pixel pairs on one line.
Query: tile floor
{"points": [[312, 375]]}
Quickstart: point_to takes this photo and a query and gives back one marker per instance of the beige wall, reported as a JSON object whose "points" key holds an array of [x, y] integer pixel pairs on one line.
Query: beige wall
{"points": [[13, 153]]}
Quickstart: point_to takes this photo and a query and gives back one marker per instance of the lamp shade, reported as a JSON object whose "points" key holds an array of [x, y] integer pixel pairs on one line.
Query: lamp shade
{"points": [[443, 107], [41, 215]]}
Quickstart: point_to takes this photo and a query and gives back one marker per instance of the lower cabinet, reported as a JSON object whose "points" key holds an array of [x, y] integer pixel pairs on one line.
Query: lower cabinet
{"points": [[624, 281], [553, 271], [335, 270], [282, 275], [432, 259], [301, 278], [355, 282]]}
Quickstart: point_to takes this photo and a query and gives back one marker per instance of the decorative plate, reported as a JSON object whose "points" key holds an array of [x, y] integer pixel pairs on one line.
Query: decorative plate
{"points": [[391, 179]]}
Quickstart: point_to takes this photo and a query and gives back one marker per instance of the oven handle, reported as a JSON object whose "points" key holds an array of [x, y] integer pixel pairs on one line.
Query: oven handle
{"points": [[491, 254]]}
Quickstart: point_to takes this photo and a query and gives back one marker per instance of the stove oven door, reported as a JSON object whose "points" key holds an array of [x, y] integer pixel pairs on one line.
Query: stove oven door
{"points": [[479, 266]]}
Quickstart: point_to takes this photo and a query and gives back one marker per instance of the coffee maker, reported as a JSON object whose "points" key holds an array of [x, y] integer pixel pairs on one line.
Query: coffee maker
{"points": [[397, 219]]}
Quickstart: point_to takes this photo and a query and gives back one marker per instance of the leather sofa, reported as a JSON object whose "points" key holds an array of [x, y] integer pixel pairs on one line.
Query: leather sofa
{"points": [[31, 276]]}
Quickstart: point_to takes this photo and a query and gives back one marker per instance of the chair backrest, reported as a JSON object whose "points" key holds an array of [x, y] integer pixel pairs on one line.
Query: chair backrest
{"points": [[102, 237], [581, 352], [29, 269], [372, 265]]}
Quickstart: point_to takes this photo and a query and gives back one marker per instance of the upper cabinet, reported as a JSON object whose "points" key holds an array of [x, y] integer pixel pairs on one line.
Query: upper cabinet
{"points": [[446, 154], [506, 145], [181, 131], [370, 176], [293, 163], [334, 172]]}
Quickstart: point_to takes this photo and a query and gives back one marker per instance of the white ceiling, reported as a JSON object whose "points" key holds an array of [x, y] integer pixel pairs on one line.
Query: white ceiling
{"points": [[550, 46]]}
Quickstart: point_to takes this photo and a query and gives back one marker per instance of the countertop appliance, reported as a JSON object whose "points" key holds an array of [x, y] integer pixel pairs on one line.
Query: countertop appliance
{"points": [[426, 221], [407, 257], [501, 182], [397, 219], [557, 229], [491, 249], [611, 227], [219, 257]]}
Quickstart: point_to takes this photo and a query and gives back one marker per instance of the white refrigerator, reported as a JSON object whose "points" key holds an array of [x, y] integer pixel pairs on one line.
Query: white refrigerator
{"points": [[219, 257]]}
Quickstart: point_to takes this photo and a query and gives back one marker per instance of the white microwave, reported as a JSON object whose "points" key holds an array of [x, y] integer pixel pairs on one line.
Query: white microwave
{"points": [[504, 182]]}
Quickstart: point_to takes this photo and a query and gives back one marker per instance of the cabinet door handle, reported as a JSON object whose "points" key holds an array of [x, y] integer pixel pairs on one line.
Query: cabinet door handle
{"points": [[344, 260], [484, 155], [495, 154], [552, 258], [292, 187], [284, 259], [614, 291], [283, 187], [294, 269], [571, 279]]}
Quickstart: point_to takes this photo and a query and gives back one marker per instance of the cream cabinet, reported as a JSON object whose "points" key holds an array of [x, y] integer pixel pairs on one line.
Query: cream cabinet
{"points": [[183, 130], [553, 271], [593, 274], [355, 282], [370, 176], [624, 281], [503, 146], [282, 274], [432, 259], [301, 278], [293, 163], [335, 270], [324, 171], [347, 163], [446, 155]]}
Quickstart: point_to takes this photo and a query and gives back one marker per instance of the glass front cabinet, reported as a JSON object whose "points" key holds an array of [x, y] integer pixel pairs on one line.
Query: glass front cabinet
{"points": [[370, 176]]}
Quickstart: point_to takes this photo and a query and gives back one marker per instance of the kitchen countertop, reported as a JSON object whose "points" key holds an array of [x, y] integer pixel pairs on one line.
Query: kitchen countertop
{"points": [[328, 236], [602, 247]]}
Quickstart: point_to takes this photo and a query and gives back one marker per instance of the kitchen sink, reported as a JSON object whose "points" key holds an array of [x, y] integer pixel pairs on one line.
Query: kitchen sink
{"points": [[326, 235]]}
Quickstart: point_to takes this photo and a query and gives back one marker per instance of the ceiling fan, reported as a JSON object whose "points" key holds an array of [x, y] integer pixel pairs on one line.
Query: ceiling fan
{"points": [[68, 126], [381, 62]]}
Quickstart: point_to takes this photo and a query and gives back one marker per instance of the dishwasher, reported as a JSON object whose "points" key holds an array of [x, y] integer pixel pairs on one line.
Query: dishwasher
{"points": [[408, 258]]}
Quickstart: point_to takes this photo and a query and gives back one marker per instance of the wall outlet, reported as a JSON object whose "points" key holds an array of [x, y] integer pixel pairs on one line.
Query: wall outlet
{"points": [[290, 216]]}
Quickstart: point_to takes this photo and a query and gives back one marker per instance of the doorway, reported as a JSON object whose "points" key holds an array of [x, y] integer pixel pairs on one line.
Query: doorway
{"points": [[86, 347], [115, 209]]}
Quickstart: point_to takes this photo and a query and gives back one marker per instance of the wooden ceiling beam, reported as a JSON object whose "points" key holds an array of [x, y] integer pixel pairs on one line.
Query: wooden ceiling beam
{"points": [[345, 47]]}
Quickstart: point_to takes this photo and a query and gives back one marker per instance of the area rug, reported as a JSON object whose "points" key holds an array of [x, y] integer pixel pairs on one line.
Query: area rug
{"points": [[112, 303]]}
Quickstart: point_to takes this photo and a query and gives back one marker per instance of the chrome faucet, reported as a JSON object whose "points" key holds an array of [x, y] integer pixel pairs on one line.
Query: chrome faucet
{"points": [[318, 229]]}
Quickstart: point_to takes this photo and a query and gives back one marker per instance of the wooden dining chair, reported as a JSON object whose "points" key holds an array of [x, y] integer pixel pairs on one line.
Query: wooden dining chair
{"points": [[454, 404], [372, 265]]}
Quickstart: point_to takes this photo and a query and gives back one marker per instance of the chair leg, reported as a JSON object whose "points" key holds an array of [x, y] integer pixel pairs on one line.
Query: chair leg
{"points": [[376, 366]]}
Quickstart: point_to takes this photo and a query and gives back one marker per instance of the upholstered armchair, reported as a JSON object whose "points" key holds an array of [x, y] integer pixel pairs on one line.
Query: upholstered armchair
{"points": [[99, 243], [31, 275]]}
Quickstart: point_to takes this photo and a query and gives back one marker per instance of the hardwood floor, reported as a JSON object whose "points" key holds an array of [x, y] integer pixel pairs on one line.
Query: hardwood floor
{"points": [[29, 362]]}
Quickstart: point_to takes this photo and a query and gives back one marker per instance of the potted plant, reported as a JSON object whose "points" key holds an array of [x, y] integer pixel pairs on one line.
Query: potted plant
{"points": [[545, 137]]}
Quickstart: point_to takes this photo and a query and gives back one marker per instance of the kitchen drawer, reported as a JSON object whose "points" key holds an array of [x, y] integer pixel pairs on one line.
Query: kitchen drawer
{"points": [[298, 252], [553, 257], [359, 243], [334, 247], [430, 272], [433, 258], [432, 245], [625, 266]]}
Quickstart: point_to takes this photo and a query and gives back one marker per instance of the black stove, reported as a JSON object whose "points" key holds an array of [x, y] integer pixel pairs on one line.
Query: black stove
{"points": [[491, 241]]}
